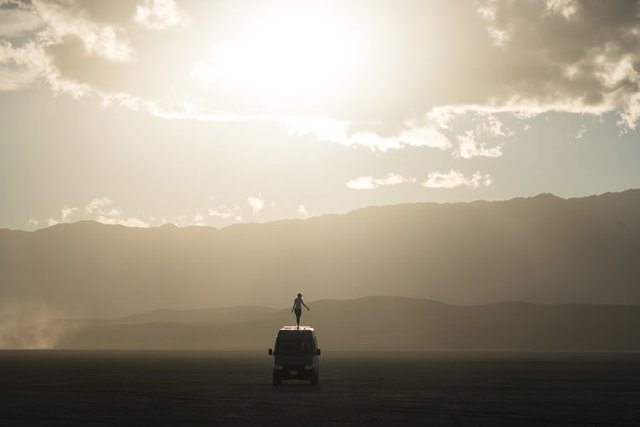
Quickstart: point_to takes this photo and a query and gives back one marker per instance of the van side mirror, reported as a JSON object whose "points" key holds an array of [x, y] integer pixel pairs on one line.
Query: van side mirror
{"points": [[270, 352], [318, 352]]}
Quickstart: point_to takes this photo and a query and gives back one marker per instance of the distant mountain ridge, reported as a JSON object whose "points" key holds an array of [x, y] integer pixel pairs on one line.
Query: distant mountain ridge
{"points": [[542, 249], [388, 323], [224, 315]]}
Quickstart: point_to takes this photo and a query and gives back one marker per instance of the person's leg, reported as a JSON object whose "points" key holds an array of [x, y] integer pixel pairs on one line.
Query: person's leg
{"points": [[298, 314]]}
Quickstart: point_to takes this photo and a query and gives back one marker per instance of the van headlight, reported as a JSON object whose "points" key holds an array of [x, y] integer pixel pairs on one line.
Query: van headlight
{"points": [[277, 367], [308, 366]]}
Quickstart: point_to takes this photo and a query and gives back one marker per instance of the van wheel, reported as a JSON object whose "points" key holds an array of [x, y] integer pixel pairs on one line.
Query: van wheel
{"points": [[277, 379], [316, 377]]}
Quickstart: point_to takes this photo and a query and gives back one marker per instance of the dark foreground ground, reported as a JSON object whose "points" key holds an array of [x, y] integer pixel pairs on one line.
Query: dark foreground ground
{"points": [[188, 388]]}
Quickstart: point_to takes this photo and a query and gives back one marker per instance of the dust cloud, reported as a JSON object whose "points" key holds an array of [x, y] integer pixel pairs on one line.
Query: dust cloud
{"points": [[31, 325]]}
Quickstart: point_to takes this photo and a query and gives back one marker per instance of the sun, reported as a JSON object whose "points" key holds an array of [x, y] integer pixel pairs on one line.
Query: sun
{"points": [[290, 54]]}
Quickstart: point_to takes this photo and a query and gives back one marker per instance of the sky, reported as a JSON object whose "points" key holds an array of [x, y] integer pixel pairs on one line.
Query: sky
{"points": [[146, 112]]}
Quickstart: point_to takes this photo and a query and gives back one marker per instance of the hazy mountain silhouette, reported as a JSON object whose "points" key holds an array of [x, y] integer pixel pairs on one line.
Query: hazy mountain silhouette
{"points": [[218, 316], [541, 249], [390, 323]]}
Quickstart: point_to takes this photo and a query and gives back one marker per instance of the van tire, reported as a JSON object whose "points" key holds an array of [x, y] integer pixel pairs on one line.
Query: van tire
{"points": [[277, 379], [315, 379]]}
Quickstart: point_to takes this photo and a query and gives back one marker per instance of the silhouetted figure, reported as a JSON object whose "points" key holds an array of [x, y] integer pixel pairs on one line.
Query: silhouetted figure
{"points": [[297, 307]]}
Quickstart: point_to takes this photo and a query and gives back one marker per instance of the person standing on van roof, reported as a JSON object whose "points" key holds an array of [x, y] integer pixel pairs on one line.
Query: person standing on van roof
{"points": [[297, 307]]}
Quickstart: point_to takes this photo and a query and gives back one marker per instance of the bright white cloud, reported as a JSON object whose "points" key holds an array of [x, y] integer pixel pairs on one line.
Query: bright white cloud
{"points": [[97, 204], [468, 147], [101, 40], [362, 183], [102, 210], [581, 132], [425, 134], [631, 114], [370, 183], [222, 211], [198, 219], [302, 211], [126, 221], [606, 65], [159, 14], [455, 179], [20, 66], [67, 212], [256, 203]]}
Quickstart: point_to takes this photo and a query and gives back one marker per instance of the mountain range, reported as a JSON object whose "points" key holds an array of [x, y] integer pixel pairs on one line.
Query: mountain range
{"points": [[542, 249], [373, 323]]}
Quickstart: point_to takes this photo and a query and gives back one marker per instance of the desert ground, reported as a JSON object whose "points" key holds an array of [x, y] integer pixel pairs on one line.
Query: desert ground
{"points": [[439, 388]]}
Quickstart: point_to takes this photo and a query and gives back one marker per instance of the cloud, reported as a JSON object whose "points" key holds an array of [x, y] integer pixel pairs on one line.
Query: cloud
{"points": [[159, 14], [118, 219], [522, 58], [468, 147], [425, 133], [97, 204], [21, 66], [102, 210], [222, 211], [362, 183], [455, 179], [65, 216], [198, 219], [99, 39], [566, 8], [581, 132], [256, 203], [564, 53], [67, 212], [17, 20], [370, 183], [302, 211]]}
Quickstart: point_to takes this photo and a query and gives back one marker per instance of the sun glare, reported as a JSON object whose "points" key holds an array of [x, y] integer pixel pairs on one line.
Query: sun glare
{"points": [[290, 54]]}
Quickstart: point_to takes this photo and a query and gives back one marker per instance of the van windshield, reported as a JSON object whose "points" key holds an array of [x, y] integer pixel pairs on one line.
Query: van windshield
{"points": [[294, 347]]}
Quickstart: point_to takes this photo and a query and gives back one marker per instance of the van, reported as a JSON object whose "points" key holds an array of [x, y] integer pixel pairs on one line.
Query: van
{"points": [[295, 355]]}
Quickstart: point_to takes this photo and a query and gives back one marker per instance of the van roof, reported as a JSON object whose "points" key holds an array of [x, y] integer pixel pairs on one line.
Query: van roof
{"points": [[295, 328]]}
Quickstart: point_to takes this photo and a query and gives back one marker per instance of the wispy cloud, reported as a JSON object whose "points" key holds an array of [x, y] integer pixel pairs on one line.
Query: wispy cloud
{"points": [[102, 210], [66, 213], [456, 179], [97, 204], [302, 211], [590, 72], [581, 132], [159, 14], [370, 183], [468, 147], [99, 209], [598, 77], [449, 180], [413, 134], [566, 8], [198, 219], [256, 204], [17, 20]]}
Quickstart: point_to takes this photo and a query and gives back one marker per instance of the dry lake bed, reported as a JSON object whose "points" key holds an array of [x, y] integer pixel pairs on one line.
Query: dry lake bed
{"points": [[217, 387]]}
